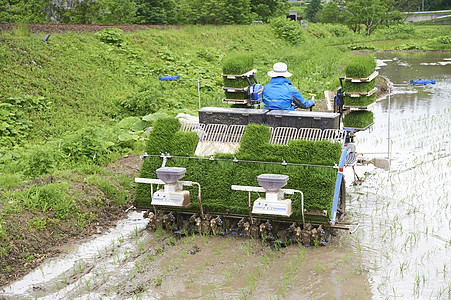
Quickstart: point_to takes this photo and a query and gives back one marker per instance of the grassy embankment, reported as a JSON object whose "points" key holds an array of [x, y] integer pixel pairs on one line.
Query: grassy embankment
{"points": [[70, 106]]}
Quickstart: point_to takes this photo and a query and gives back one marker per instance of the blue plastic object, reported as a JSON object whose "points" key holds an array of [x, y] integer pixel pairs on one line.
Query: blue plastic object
{"points": [[256, 93], [162, 78], [338, 185], [422, 82]]}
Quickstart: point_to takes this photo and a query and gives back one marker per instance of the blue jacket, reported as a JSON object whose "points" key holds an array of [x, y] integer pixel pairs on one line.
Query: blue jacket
{"points": [[279, 93]]}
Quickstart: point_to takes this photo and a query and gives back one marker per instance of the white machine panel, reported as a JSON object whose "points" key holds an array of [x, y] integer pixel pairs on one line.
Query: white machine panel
{"points": [[178, 199], [276, 208]]}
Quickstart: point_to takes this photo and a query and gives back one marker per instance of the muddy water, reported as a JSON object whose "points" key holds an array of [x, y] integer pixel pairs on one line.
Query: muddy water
{"points": [[402, 248]]}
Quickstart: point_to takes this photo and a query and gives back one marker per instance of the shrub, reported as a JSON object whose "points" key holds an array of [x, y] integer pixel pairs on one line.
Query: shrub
{"points": [[52, 196], [21, 29], [361, 47], [113, 36], [287, 30], [10, 180], [113, 193], [397, 31], [338, 30], [410, 46], [444, 39], [39, 161], [3, 232], [14, 125], [86, 144]]}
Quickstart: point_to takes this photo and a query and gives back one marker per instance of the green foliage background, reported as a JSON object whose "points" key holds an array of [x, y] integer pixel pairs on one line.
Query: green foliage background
{"points": [[107, 83]]}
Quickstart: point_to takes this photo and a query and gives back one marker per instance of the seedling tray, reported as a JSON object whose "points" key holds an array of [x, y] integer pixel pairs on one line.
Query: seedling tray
{"points": [[367, 79], [245, 75]]}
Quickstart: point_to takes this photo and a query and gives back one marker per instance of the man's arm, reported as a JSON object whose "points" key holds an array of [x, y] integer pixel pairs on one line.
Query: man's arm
{"points": [[298, 99]]}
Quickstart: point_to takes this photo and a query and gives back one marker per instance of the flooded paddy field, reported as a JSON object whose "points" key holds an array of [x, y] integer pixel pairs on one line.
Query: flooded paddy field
{"points": [[405, 214], [402, 248]]}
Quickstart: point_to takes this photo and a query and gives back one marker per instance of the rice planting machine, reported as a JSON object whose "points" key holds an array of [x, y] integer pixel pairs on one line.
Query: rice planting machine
{"points": [[271, 209], [220, 188]]}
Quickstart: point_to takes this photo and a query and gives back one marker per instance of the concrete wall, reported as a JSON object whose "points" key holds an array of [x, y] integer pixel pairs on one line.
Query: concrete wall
{"points": [[426, 16]]}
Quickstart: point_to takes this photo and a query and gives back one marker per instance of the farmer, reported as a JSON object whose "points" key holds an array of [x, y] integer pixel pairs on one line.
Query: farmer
{"points": [[279, 93]]}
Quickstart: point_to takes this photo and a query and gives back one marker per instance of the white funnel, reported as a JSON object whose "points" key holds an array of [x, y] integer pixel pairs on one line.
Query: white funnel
{"points": [[272, 182], [170, 175]]}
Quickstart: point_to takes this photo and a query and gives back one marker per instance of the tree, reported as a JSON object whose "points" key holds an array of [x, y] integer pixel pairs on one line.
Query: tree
{"points": [[209, 12], [22, 11], [330, 13], [156, 12], [237, 12], [370, 13], [119, 12], [73, 11], [266, 9], [313, 10]]}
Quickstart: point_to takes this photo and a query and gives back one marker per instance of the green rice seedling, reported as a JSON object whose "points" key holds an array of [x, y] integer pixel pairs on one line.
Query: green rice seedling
{"points": [[158, 281], [217, 251], [136, 231], [121, 239], [319, 266], [80, 266], [350, 87], [243, 292], [227, 275], [88, 284], [138, 267], [360, 67], [57, 284], [251, 283], [359, 101], [212, 288], [141, 246], [237, 64], [204, 237]]}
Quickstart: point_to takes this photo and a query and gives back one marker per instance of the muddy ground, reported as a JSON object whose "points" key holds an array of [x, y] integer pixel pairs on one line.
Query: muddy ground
{"points": [[27, 248], [145, 264], [69, 262]]}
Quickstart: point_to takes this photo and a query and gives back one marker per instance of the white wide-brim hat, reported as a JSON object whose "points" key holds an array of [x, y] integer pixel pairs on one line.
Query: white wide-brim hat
{"points": [[279, 70]]}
